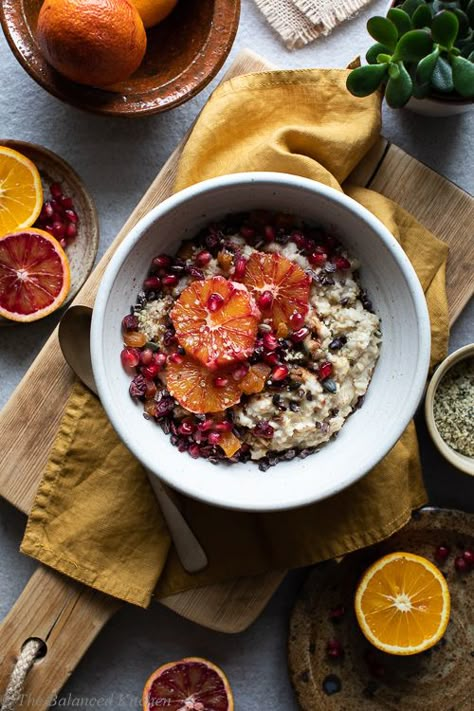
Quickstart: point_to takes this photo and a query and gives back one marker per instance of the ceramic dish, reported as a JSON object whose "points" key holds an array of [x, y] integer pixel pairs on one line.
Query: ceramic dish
{"points": [[461, 461], [83, 249], [184, 53], [399, 378]]}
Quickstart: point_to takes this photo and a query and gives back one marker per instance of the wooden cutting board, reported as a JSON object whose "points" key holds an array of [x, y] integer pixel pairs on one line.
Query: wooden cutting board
{"points": [[67, 615]]}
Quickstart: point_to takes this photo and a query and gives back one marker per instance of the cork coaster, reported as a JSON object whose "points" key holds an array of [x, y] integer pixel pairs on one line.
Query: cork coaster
{"points": [[365, 679]]}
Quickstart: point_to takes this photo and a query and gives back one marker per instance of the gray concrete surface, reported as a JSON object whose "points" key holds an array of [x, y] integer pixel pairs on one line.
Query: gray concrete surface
{"points": [[101, 150]]}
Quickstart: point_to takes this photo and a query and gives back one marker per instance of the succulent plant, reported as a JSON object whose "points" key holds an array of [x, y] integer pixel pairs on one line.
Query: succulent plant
{"points": [[423, 48]]}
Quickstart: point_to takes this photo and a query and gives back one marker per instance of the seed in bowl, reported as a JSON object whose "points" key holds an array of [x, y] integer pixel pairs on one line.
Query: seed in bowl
{"points": [[255, 342], [453, 407]]}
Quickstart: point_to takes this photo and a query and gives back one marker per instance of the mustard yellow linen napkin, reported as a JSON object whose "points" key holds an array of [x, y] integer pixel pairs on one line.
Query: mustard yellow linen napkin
{"points": [[95, 517]]}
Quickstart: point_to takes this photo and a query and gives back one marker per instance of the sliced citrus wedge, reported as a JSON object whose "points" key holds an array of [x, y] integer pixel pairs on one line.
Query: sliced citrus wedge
{"points": [[191, 683], [21, 194], [216, 321], [199, 389], [402, 604], [280, 287], [34, 275]]}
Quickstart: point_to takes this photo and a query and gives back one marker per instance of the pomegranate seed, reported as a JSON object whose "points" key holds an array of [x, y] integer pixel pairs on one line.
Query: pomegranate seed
{"points": [[58, 229], [63, 243], [194, 451], [224, 426], [269, 233], [299, 239], [170, 280], [240, 372], [342, 263], [221, 382], [56, 190], [152, 283], [247, 232], [203, 258], [461, 564], [442, 553], [325, 370], [205, 426], [214, 438], [271, 358], [299, 335], [270, 342], [240, 267], [468, 556], [130, 322], [150, 371], [296, 320], [336, 613], [71, 230], [263, 429], [317, 259], [265, 300], [151, 390], [215, 302], [160, 359], [334, 649], [280, 373], [67, 203], [47, 212], [175, 358], [71, 216], [186, 428], [146, 356], [163, 261], [130, 358]]}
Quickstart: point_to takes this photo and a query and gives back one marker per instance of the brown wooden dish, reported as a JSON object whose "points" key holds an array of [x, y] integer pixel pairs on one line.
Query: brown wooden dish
{"points": [[184, 53]]}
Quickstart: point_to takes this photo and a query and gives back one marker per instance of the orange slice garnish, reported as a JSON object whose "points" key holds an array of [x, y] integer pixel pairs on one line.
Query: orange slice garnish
{"points": [[402, 604], [21, 193], [216, 321], [195, 388]]}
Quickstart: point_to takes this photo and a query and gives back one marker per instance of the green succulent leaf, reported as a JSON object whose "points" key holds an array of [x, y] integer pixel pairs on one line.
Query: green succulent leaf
{"points": [[399, 89], [413, 46], [393, 70], [463, 76], [365, 80], [442, 77], [425, 68], [422, 17], [374, 51], [421, 92], [401, 20], [383, 31], [464, 27], [471, 57], [409, 6], [439, 5], [444, 28]]}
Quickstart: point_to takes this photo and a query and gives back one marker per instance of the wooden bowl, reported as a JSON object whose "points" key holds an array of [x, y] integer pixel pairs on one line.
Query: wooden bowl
{"points": [[184, 53], [83, 249]]}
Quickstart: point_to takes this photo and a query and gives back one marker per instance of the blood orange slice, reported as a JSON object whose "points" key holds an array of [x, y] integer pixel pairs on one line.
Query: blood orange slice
{"points": [[199, 389], [34, 275], [280, 287], [21, 194], [192, 683], [216, 321]]}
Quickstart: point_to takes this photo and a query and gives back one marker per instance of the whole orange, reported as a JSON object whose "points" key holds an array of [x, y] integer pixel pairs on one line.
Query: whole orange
{"points": [[154, 11], [94, 42]]}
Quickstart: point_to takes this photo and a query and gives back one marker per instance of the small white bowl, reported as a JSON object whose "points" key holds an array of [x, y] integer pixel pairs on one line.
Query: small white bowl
{"points": [[399, 378], [460, 461]]}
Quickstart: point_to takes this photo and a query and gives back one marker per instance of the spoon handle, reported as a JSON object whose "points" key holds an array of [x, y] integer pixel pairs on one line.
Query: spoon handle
{"points": [[188, 548]]}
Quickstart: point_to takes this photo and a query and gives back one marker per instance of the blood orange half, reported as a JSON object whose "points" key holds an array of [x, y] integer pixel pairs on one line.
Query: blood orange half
{"points": [[199, 389], [190, 683], [34, 275]]}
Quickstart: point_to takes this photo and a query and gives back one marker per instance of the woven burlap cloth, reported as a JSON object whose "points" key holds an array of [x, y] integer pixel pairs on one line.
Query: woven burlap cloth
{"points": [[301, 21]]}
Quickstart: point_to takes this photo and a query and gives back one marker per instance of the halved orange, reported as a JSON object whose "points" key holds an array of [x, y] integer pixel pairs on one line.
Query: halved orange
{"points": [[402, 604], [21, 193], [191, 683], [285, 283], [216, 321], [34, 275], [194, 387]]}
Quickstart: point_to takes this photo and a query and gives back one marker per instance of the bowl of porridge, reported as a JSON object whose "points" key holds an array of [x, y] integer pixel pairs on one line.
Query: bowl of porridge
{"points": [[260, 341]]}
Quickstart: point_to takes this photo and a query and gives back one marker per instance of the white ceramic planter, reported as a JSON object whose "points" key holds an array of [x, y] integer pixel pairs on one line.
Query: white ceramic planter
{"points": [[438, 107]]}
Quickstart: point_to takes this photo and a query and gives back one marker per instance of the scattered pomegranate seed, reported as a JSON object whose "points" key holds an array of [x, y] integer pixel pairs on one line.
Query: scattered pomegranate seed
{"points": [[468, 556], [67, 203], [269, 233], [336, 613], [224, 426], [299, 239], [239, 268], [203, 258], [263, 429], [56, 190], [240, 372], [342, 263], [270, 342], [265, 300], [160, 360], [206, 426], [214, 438], [130, 358], [47, 211], [215, 302], [71, 231], [325, 370], [271, 358], [461, 564], [296, 320], [146, 356], [152, 283], [175, 358], [299, 335], [442, 553], [334, 649], [317, 259], [162, 261], [58, 217], [221, 382], [247, 232], [186, 428], [169, 280], [130, 322], [71, 214], [194, 451], [280, 373], [150, 371]]}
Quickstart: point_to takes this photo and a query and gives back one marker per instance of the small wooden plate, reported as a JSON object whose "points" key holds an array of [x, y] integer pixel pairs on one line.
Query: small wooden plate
{"points": [[365, 679], [184, 53], [83, 249]]}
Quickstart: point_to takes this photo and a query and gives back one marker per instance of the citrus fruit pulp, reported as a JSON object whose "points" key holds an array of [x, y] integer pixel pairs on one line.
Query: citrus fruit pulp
{"points": [[216, 321], [21, 194], [34, 275], [286, 282], [402, 604], [154, 11], [192, 683], [193, 386]]}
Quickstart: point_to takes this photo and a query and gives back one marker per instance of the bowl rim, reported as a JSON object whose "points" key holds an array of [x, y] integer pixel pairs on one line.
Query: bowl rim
{"points": [[297, 498], [460, 461], [17, 32]]}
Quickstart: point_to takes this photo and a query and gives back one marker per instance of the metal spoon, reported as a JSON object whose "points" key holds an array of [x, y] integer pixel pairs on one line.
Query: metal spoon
{"points": [[74, 339]]}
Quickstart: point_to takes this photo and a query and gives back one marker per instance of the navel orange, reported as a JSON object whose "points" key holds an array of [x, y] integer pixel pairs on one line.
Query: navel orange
{"points": [[154, 11], [21, 194], [402, 604], [34, 275], [94, 42]]}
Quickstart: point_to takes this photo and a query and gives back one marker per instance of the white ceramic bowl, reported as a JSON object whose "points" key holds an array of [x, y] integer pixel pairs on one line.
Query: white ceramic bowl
{"points": [[399, 377]]}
